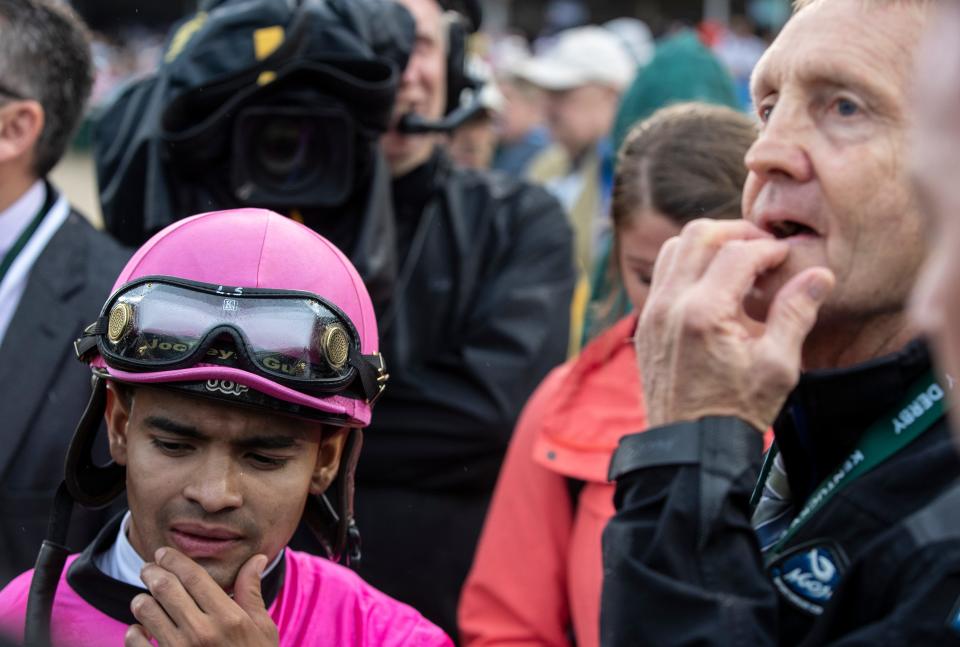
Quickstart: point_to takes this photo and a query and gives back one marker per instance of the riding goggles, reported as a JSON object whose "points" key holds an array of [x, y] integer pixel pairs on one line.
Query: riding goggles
{"points": [[294, 338]]}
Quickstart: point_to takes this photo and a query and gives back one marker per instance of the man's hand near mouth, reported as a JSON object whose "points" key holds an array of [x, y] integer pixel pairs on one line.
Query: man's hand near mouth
{"points": [[186, 607], [700, 353]]}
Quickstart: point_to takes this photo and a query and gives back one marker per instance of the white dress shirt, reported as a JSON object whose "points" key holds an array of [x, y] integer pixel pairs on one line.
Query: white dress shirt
{"points": [[13, 221]]}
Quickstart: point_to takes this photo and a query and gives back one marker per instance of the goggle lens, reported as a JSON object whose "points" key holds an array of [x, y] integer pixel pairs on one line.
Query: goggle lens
{"points": [[291, 336]]}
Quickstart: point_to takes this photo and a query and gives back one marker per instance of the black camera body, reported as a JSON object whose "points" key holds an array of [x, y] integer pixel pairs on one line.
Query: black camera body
{"points": [[269, 103]]}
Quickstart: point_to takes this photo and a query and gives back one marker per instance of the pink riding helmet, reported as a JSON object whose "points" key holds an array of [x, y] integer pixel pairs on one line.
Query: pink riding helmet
{"points": [[255, 248]]}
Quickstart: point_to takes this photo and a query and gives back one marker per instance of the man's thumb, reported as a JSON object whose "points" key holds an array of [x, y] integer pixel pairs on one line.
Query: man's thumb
{"points": [[246, 590], [794, 309]]}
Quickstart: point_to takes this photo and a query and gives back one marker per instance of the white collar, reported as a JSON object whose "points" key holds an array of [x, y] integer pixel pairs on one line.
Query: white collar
{"points": [[15, 218], [121, 561]]}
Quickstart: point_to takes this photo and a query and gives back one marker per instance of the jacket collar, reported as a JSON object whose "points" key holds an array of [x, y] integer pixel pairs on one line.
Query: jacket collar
{"points": [[828, 411], [113, 597], [595, 400]]}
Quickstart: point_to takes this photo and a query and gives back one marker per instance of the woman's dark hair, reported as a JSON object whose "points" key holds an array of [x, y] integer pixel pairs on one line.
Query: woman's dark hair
{"points": [[684, 162]]}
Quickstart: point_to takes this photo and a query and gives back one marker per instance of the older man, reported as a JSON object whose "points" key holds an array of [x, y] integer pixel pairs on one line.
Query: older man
{"points": [[55, 268], [816, 278]]}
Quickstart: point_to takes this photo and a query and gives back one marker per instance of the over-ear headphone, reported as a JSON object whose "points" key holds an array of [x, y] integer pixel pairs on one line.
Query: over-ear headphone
{"points": [[463, 18]]}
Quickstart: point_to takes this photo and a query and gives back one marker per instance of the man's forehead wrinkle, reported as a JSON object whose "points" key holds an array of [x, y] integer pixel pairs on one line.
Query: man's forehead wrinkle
{"points": [[873, 56]]}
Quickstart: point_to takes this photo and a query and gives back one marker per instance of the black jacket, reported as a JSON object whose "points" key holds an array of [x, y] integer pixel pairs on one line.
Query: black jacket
{"points": [[480, 315], [681, 559], [45, 389]]}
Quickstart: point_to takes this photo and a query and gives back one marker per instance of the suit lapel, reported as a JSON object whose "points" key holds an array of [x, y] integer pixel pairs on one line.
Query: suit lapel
{"points": [[43, 327]]}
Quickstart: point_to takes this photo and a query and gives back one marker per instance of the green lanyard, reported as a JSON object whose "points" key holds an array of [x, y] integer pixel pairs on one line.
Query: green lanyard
{"points": [[922, 406], [22, 241]]}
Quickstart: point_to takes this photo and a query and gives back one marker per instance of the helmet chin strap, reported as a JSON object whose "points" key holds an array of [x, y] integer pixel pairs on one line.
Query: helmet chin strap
{"points": [[89, 484], [337, 531], [86, 483]]}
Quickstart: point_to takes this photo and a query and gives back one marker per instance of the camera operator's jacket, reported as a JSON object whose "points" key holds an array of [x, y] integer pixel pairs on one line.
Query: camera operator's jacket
{"points": [[878, 563], [480, 315]]}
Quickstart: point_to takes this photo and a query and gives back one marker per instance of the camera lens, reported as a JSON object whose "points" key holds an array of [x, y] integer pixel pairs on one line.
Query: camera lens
{"points": [[296, 155], [282, 146]]}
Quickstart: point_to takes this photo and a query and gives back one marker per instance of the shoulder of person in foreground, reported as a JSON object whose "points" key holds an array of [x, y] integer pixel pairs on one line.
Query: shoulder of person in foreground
{"points": [[334, 599], [102, 257], [13, 605], [905, 589]]}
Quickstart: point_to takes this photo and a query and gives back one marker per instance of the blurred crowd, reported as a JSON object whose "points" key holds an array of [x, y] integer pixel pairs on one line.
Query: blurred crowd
{"points": [[131, 54], [607, 335]]}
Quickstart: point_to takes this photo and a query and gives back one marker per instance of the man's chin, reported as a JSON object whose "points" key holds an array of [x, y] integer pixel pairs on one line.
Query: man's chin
{"points": [[223, 573]]}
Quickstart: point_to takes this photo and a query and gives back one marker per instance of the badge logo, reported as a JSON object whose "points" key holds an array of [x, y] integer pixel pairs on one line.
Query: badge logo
{"points": [[953, 620], [809, 575]]}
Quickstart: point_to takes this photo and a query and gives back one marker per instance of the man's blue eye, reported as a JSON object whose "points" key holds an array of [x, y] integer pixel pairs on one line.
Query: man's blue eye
{"points": [[847, 108]]}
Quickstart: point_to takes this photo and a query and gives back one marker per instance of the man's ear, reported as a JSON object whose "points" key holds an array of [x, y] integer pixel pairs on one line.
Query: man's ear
{"points": [[21, 123], [328, 459], [117, 416]]}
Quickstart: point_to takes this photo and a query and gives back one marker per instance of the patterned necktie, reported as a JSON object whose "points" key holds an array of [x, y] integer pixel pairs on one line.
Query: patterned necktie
{"points": [[773, 513]]}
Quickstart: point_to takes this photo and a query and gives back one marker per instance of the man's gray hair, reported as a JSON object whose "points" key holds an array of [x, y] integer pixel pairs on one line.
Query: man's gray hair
{"points": [[45, 56]]}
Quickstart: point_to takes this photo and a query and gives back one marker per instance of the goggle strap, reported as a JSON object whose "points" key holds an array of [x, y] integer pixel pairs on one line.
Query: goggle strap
{"points": [[87, 343], [372, 373]]}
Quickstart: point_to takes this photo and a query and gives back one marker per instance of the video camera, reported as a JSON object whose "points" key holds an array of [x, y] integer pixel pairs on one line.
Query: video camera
{"points": [[268, 103], [276, 104]]}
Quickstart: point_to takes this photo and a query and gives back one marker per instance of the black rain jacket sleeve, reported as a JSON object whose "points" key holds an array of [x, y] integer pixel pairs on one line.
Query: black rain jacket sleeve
{"points": [[682, 565], [681, 561]]}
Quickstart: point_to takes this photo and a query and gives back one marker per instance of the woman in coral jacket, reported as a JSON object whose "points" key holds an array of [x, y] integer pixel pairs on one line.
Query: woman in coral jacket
{"points": [[537, 574]]}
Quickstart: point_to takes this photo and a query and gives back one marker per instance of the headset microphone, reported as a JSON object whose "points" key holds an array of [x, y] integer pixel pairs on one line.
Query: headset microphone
{"points": [[412, 123]]}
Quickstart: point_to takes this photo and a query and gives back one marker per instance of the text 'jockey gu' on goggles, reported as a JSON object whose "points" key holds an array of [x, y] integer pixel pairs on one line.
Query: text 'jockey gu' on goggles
{"points": [[298, 339]]}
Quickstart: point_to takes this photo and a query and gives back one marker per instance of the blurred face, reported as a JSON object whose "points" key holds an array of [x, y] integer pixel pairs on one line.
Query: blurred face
{"points": [[217, 482], [639, 243], [935, 158], [523, 109], [423, 88], [827, 172], [473, 144], [578, 118]]}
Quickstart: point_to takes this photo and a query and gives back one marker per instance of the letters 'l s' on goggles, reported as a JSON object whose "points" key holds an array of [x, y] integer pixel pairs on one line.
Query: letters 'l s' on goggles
{"points": [[294, 338]]}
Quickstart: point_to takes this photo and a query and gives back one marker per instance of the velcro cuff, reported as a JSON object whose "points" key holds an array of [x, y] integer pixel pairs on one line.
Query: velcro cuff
{"points": [[683, 443]]}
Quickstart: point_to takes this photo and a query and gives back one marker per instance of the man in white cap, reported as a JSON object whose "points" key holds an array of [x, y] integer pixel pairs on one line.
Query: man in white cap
{"points": [[584, 74]]}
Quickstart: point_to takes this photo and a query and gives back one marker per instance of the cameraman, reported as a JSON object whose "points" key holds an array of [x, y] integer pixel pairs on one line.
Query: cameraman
{"points": [[480, 315]]}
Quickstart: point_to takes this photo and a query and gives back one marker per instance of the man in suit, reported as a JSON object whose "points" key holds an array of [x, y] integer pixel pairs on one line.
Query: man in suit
{"points": [[55, 270]]}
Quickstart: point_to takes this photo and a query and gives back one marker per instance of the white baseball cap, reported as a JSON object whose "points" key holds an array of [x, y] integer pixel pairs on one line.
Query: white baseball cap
{"points": [[580, 56]]}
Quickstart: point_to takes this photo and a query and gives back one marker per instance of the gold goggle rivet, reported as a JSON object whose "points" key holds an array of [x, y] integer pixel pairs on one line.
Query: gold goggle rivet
{"points": [[335, 345], [121, 318]]}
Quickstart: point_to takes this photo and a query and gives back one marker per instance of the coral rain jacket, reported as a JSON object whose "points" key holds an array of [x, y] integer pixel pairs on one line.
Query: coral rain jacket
{"points": [[538, 572]]}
